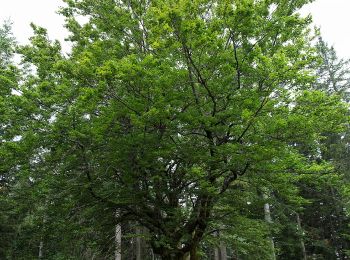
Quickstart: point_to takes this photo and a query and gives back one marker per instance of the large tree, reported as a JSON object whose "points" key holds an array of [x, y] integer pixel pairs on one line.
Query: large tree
{"points": [[162, 105]]}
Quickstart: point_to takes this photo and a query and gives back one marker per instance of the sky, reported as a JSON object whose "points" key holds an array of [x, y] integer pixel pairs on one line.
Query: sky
{"points": [[333, 16], [39, 12]]}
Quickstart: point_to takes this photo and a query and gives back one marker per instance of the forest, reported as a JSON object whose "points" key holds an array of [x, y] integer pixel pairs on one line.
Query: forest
{"points": [[175, 130]]}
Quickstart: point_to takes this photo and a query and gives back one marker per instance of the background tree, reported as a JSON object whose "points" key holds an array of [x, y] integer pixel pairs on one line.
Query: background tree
{"points": [[326, 218], [7, 83]]}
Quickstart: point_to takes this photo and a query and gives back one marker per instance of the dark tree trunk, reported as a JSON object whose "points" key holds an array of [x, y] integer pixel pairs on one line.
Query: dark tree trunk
{"points": [[193, 253]]}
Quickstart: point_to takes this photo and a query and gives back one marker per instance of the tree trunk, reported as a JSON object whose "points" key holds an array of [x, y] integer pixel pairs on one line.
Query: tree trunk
{"points": [[223, 251], [152, 255], [118, 239], [216, 254], [193, 253], [41, 247], [302, 245], [176, 257], [138, 243], [268, 219], [220, 253]]}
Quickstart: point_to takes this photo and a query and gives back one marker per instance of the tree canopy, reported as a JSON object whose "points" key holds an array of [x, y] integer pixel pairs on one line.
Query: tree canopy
{"points": [[202, 123]]}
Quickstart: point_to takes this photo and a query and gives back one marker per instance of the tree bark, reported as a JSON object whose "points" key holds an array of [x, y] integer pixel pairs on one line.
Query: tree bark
{"points": [[118, 239], [216, 249], [187, 257], [220, 253], [223, 251], [216, 254], [302, 245], [138, 243], [41, 247], [268, 219], [193, 253]]}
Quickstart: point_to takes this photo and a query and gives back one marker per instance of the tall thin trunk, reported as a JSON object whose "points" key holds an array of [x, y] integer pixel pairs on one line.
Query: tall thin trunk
{"points": [[220, 253], [41, 247], [216, 254], [334, 235], [152, 255], [268, 219], [223, 251], [118, 239], [302, 245], [138, 246], [216, 249]]}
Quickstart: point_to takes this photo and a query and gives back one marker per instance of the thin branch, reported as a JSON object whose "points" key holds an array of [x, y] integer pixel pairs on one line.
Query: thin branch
{"points": [[251, 121]]}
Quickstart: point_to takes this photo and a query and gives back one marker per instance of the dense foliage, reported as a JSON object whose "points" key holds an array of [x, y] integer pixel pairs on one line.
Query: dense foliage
{"points": [[201, 129]]}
